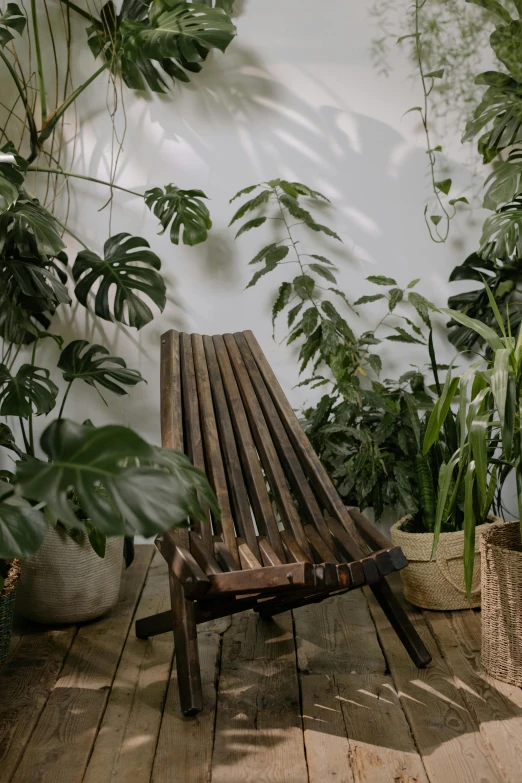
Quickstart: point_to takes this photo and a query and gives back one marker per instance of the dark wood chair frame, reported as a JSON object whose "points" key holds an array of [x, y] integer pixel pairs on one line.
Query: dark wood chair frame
{"points": [[285, 538]]}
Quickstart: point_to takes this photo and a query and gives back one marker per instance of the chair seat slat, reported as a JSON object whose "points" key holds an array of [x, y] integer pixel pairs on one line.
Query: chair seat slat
{"points": [[214, 460]]}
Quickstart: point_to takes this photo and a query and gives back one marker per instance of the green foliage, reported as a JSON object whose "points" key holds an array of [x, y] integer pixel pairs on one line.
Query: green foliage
{"points": [[128, 266], [145, 490], [363, 429], [148, 41], [126, 484], [94, 366], [182, 210], [489, 433], [30, 391]]}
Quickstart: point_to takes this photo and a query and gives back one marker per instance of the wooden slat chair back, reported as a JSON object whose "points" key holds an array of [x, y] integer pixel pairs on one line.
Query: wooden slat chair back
{"points": [[284, 538]]}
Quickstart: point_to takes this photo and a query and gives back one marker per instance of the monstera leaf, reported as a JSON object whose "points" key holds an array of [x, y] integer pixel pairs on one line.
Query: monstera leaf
{"points": [[22, 527], [500, 112], [128, 266], [502, 233], [147, 41], [181, 209], [29, 391], [11, 19], [505, 181], [94, 366], [139, 496], [11, 179], [27, 216], [7, 439]]}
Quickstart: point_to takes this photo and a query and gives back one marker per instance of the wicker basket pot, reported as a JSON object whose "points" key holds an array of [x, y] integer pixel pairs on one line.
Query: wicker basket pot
{"points": [[66, 582], [7, 604], [501, 550], [437, 584]]}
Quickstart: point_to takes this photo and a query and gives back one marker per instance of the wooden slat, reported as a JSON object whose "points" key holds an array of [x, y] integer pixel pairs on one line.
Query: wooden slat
{"points": [[495, 706], [192, 426], [62, 741], [281, 577], [237, 490], [202, 554], [261, 505], [126, 743], [171, 407], [322, 552], [293, 551], [247, 557], [258, 723], [214, 460], [267, 553], [312, 466], [265, 446], [193, 579], [444, 730], [307, 503], [354, 726], [223, 556]]}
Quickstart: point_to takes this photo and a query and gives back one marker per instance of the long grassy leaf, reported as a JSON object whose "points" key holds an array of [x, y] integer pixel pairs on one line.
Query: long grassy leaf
{"points": [[494, 307], [499, 382], [439, 412], [491, 337], [469, 527], [445, 477], [477, 438]]}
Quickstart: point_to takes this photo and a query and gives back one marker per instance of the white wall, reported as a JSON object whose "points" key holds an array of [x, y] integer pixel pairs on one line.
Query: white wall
{"points": [[295, 96]]}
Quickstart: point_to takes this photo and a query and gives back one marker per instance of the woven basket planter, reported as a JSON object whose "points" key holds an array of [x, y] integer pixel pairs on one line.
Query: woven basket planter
{"points": [[7, 605], [502, 602], [437, 584], [66, 582]]}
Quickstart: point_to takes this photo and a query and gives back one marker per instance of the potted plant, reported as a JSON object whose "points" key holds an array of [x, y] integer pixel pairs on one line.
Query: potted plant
{"points": [[502, 543], [361, 426], [83, 483]]}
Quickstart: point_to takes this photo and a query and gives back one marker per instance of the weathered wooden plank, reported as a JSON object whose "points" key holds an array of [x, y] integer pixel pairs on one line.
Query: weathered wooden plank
{"points": [[214, 460], [354, 723], [184, 749], [445, 732], [496, 706], [191, 421], [258, 723], [254, 478], [62, 741], [126, 743], [26, 680]]}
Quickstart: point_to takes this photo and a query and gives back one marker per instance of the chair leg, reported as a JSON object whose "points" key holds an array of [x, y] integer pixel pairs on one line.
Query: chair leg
{"points": [[187, 653], [401, 624]]}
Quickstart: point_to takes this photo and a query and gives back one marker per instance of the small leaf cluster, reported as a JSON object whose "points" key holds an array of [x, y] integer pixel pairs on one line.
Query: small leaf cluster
{"points": [[363, 428]]}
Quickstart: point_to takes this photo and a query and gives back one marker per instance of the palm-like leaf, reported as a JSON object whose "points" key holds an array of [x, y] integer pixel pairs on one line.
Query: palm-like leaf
{"points": [[29, 391], [502, 233], [94, 366], [505, 181], [22, 528], [128, 266], [183, 210], [500, 111], [148, 41], [139, 496]]}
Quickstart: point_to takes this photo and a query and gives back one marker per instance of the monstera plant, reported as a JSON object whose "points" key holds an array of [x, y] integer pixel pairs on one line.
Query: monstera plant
{"points": [[105, 480]]}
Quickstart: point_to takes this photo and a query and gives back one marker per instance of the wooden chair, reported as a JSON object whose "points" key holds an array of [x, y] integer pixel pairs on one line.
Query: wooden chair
{"points": [[284, 539]]}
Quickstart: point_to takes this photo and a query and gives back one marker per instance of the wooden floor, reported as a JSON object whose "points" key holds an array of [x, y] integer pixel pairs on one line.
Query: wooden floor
{"points": [[322, 694]]}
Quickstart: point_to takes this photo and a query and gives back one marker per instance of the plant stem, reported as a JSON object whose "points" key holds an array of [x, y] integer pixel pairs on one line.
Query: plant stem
{"points": [[55, 117], [31, 434], [24, 436], [66, 394], [65, 228], [36, 32], [80, 11], [28, 111], [46, 170]]}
